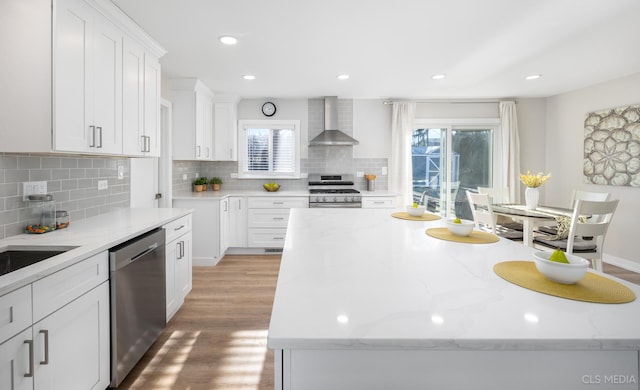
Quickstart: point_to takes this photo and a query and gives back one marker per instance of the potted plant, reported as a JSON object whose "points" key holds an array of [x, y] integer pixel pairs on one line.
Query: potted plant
{"points": [[215, 183], [200, 184]]}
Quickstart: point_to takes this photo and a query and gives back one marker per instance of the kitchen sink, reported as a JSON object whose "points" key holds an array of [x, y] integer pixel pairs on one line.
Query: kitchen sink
{"points": [[13, 258]]}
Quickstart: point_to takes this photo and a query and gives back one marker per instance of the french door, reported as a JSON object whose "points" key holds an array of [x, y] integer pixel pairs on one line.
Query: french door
{"points": [[447, 161]]}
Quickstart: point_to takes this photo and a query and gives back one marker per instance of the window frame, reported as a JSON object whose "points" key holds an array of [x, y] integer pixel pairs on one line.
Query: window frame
{"points": [[243, 172]]}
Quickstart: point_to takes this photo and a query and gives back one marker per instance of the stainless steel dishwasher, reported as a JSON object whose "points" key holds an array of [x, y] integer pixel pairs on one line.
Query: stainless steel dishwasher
{"points": [[138, 300]]}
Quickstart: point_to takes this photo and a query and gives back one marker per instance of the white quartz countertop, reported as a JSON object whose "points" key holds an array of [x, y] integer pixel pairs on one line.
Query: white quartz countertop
{"points": [[356, 278], [90, 236], [217, 195]]}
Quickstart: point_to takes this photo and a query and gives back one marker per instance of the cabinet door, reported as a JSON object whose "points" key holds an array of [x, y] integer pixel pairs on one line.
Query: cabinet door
{"points": [[73, 37], [152, 81], [172, 251], [225, 131], [238, 222], [72, 344], [133, 67], [204, 127], [184, 267], [15, 356], [107, 83], [224, 226]]}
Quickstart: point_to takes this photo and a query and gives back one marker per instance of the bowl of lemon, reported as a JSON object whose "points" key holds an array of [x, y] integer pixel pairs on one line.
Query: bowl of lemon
{"points": [[561, 267], [415, 210], [271, 187], [460, 227]]}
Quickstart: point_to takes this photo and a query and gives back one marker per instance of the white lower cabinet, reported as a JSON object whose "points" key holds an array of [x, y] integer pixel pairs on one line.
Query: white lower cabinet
{"points": [[68, 345], [178, 263], [268, 218], [206, 229], [237, 222], [379, 202], [224, 225]]}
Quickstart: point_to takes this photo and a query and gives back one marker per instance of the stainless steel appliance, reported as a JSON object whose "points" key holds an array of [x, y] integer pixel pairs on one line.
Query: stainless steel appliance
{"points": [[138, 300], [333, 191]]}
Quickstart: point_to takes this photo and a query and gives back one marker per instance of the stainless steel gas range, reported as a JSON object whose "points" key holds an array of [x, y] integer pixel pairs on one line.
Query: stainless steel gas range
{"points": [[333, 191]]}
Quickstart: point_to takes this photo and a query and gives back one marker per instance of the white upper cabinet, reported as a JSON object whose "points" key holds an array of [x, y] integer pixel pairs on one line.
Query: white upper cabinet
{"points": [[141, 101], [86, 80], [225, 133], [64, 84], [192, 103]]}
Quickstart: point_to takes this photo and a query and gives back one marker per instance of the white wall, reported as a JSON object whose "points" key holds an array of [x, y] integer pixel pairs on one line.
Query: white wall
{"points": [[532, 117], [564, 157]]}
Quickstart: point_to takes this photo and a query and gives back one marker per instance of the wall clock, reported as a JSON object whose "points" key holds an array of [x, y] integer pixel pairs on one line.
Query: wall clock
{"points": [[268, 109]]}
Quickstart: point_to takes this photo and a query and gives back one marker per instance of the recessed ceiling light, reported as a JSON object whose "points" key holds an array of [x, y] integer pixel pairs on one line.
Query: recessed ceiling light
{"points": [[249, 77], [533, 77], [228, 40], [343, 77], [438, 76]]}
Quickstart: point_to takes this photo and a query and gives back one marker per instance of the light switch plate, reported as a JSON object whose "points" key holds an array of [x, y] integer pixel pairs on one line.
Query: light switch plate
{"points": [[103, 185]]}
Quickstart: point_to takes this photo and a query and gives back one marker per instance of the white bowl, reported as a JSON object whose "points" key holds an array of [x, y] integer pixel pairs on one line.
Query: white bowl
{"points": [[415, 211], [464, 228], [561, 272]]}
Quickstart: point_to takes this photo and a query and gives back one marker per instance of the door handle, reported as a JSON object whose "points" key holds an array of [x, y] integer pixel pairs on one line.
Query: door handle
{"points": [[92, 143], [30, 373], [46, 346], [197, 151], [99, 128]]}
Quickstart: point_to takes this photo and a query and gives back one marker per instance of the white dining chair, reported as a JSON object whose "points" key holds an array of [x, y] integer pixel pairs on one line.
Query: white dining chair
{"points": [[501, 195], [485, 219], [585, 238], [575, 196]]}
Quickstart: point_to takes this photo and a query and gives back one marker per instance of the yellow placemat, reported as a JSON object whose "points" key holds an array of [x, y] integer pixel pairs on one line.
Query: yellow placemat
{"points": [[424, 217], [476, 236], [593, 288]]}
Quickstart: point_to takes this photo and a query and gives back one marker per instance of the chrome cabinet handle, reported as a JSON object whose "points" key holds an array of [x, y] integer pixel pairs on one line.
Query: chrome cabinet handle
{"points": [[278, 218], [278, 238], [178, 228], [239, 204], [92, 144], [144, 143], [100, 130], [147, 143], [30, 373], [278, 202], [226, 206], [198, 151], [46, 347], [181, 249]]}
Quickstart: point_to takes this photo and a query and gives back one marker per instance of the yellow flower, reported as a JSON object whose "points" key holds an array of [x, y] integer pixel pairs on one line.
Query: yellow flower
{"points": [[533, 181]]}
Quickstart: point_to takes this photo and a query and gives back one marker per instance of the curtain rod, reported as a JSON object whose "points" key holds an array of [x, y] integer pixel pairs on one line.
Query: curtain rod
{"points": [[450, 101]]}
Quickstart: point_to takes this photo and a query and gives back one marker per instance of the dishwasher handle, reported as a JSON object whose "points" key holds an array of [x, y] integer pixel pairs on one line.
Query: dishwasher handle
{"points": [[144, 252]]}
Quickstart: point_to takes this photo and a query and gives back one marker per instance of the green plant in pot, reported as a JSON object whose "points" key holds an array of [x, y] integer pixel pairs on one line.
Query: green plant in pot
{"points": [[215, 183], [200, 184]]}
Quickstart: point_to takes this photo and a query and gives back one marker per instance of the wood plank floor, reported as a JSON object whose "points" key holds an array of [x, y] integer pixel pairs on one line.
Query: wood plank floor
{"points": [[217, 340]]}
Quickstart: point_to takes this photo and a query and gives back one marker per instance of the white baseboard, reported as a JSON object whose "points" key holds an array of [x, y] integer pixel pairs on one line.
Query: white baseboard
{"points": [[622, 263], [205, 261]]}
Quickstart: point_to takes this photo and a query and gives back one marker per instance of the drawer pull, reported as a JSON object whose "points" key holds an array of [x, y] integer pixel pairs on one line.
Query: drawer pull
{"points": [[46, 347], [178, 228], [278, 238], [30, 373], [278, 202], [278, 218]]}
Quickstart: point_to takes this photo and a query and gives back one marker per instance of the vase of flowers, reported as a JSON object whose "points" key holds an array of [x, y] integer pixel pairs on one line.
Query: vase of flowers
{"points": [[532, 193]]}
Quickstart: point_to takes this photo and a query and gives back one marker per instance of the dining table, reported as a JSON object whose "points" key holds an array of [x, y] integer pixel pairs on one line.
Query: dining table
{"points": [[530, 218]]}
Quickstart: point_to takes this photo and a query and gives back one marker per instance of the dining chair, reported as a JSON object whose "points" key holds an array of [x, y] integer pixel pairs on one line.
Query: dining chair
{"points": [[585, 237], [482, 212], [501, 195], [575, 196]]}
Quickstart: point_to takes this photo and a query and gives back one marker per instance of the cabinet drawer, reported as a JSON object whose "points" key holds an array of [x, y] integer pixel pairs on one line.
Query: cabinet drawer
{"points": [[378, 203], [62, 287], [278, 202], [266, 238], [175, 229], [15, 312], [266, 218]]}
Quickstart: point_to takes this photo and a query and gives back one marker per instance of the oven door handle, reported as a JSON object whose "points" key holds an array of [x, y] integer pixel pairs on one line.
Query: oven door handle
{"points": [[335, 205]]}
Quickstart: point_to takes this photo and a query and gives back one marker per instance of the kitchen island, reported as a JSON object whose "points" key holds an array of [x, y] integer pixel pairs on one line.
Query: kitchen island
{"points": [[368, 301]]}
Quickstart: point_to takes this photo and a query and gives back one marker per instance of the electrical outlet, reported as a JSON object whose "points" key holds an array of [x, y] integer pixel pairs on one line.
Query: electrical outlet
{"points": [[103, 185], [359, 174], [197, 175], [32, 188], [184, 176], [384, 171], [234, 175], [120, 172]]}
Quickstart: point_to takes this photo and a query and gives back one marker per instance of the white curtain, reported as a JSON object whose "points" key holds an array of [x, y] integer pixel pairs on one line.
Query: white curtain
{"points": [[400, 168], [510, 149]]}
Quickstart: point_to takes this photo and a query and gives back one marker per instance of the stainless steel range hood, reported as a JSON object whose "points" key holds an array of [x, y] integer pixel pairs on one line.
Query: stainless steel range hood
{"points": [[331, 136]]}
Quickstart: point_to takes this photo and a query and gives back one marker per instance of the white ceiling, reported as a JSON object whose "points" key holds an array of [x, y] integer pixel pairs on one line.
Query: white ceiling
{"points": [[296, 48]]}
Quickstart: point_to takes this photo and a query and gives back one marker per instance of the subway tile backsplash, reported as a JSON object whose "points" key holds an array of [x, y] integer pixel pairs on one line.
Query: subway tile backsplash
{"points": [[72, 180]]}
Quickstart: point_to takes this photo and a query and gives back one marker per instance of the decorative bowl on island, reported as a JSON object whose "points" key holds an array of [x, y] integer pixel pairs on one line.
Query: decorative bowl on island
{"points": [[464, 228], [271, 187], [566, 273], [416, 211]]}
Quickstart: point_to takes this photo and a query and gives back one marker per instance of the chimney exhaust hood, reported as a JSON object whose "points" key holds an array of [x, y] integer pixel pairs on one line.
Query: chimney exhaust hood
{"points": [[331, 136]]}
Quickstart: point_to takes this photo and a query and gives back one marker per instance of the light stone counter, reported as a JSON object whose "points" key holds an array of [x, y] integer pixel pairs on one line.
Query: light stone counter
{"points": [[363, 298], [90, 236]]}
